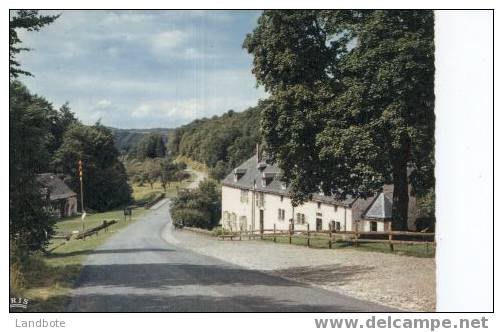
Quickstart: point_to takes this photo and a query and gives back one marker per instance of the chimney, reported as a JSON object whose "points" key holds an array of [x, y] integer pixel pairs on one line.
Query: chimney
{"points": [[258, 153]]}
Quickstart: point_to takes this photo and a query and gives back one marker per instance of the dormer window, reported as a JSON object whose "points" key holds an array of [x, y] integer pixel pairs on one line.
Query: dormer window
{"points": [[267, 178], [261, 166], [238, 173], [283, 185]]}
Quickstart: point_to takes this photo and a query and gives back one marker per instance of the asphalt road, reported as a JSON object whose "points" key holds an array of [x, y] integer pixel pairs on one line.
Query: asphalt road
{"points": [[137, 271]]}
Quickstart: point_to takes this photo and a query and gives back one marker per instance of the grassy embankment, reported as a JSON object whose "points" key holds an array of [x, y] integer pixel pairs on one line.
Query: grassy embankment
{"points": [[49, 278]]}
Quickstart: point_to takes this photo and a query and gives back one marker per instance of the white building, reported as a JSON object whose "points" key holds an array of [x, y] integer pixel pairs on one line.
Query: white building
{"points": [[254, 198]]}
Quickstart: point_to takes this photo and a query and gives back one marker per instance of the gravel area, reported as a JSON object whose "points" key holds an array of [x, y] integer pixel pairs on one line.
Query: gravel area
{"points": [[403, 282]]}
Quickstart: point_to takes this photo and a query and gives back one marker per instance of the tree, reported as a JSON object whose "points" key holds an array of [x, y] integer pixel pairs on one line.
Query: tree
{"points": [[198, 208], [351, 100], [60, 120], [105, 179], [150, 146], [29, 225], [170, 172], [29, 20]]}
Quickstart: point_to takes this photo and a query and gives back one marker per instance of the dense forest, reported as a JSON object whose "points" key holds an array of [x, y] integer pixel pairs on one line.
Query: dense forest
{"points": [[221, 142], [127, 139]]}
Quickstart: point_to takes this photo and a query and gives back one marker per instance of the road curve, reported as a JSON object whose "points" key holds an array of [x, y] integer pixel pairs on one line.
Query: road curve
{"points": [[137, 271]]}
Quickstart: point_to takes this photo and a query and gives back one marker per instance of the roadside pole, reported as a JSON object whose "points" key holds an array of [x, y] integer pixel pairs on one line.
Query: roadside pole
{"points": [[82, 196]]}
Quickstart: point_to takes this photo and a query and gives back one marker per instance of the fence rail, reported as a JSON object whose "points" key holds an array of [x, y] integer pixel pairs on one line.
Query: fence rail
{"points": [[354, 237], [95, 230]]}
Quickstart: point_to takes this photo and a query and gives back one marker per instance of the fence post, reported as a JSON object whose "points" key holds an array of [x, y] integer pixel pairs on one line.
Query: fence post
{"points": [[330, 236], [274, 233], [290, 231], [308, 235], [356, 233], [390, 238]]}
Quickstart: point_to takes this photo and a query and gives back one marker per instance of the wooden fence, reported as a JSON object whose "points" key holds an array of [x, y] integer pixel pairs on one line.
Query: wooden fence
{"points": [[95, 230], [354, 237]]}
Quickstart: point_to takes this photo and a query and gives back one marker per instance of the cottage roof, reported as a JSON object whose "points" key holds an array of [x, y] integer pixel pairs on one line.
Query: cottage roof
{"points": [[54, 184], [267, 178], [381, 207]]}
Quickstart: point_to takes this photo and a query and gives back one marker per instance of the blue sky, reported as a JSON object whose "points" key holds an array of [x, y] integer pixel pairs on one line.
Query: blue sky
{"points": [[143, 69]]}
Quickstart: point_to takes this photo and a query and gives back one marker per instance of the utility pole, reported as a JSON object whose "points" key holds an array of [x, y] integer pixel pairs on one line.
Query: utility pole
{"points": [[82, 195]]}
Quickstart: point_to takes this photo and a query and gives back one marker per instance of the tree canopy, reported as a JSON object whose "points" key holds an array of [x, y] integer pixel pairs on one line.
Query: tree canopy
{"points": [[220, 142], [28, 128], [105, 179], [198, 208], [150, 146], [29, 20], [351, 100]]}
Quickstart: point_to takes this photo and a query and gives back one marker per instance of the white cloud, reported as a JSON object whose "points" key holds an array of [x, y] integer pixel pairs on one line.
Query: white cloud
{"points": [[168, 40], [104, 103]]}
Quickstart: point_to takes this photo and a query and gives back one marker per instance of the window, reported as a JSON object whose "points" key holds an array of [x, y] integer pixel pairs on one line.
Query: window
{"points": [[319, 205], [373, 226], [260, 199], [281, 214], [335, 208], [243, 223], [281, 198], [244, 196], [301, 218]]}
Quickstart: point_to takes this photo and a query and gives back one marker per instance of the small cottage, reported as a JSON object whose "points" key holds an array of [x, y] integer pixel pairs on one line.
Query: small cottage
{"points": [[61, 201]]}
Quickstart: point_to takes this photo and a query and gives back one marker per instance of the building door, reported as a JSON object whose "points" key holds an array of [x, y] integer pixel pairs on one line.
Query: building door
{"points": [[373, 226], [261, 221], [318, 224]]}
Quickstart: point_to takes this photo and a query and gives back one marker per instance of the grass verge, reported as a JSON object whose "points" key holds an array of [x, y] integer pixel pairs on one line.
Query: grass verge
{"points": [[48, 278], [416, 250]]}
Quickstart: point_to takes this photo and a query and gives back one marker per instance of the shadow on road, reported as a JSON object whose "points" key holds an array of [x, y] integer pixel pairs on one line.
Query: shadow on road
{"points": [[174, 274], [183, 303], [109, 251], [179, 287]]}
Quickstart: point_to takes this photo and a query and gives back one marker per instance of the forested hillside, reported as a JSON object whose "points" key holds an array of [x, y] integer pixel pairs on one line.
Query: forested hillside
{"points": [[220, 142], [126, 139]]}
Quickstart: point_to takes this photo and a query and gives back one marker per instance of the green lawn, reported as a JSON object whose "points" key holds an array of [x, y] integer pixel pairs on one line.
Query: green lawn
{"points": [[417, 250]]}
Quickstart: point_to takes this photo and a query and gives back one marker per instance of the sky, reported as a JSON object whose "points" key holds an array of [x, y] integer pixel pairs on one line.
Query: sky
{"points": [[143, 69]]}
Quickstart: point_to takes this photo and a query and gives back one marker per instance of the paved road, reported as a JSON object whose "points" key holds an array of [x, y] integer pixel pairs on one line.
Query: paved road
{"points": [[136, 270]]}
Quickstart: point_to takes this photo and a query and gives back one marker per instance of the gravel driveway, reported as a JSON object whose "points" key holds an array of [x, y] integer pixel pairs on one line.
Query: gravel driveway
{"points": [[137, 270], [402, 282]]}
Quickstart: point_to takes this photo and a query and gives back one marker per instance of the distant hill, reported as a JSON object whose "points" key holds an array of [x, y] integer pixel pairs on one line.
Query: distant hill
{"points": [[126, 139], [220, 142]]}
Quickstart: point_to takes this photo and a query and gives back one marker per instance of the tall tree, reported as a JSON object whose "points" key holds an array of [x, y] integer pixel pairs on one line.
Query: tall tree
{"points": [[105, 178], [29, 20], [29, 225], [351, 100], [150, 146]]}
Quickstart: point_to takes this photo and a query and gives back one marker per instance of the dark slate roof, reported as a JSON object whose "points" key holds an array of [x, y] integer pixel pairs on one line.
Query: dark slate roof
{"points": [[381, 207], [55, 185], [254, 175]]}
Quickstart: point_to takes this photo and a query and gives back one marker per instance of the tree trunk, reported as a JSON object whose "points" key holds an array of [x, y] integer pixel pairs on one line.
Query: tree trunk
{"points": [[400, 194]]}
